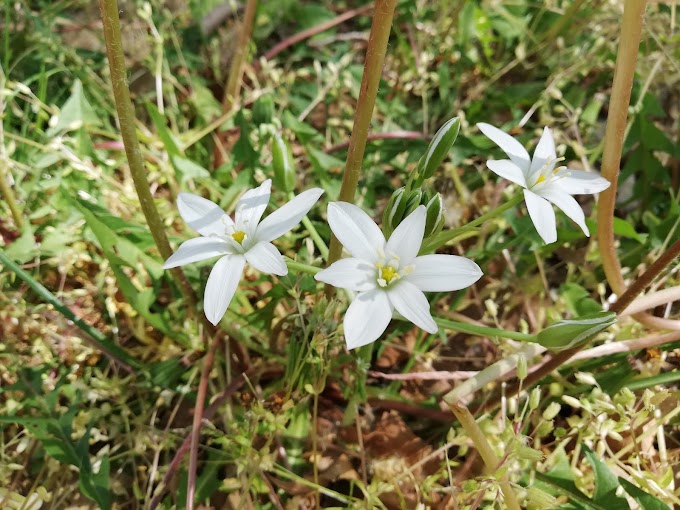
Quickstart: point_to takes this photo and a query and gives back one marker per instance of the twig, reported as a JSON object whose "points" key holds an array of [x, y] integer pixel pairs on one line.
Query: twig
{"points": [[651, 300], [634, 344], [310, 32], [373, 66], [233, 87], [195, 436], [126, 119], [438, 375]]}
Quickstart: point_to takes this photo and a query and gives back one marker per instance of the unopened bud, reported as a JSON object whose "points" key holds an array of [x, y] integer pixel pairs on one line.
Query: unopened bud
{"points": [[412, 203], [522, 372], [282, 161], [551, 411], [565, 334], [394, 211], [439, 148], [434, 220], [535, 396]]}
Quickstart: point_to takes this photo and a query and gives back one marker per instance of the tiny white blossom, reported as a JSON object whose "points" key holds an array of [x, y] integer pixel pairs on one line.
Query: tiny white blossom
{"points": [[388, 275], [542, 182], [247, 239]]}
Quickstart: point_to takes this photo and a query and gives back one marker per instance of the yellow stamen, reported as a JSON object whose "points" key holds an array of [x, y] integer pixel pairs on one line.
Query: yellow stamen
{"points": [[540, 179], [238, 236]]}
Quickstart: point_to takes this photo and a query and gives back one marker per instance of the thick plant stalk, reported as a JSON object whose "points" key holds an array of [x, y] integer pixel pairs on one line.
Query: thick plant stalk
{"points": [[373, 66], [619, 102], [489, 457], [126, 119], [233, 86]]}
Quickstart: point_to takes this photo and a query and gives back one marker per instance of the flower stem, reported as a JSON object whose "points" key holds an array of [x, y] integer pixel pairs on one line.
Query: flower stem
{"points": [[299, 267], [464, 327], [233, 86], [444, 237], [313, 233], [8, 193], [126, 119], [373, 66], [624, 73], [489, 457]]}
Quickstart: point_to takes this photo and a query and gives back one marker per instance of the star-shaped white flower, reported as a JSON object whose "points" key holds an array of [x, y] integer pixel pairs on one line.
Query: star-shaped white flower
{"points": [[389, 275], [542, 182], [245, 240]]}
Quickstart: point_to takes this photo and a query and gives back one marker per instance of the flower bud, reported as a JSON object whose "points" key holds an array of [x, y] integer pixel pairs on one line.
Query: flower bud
{"points": [[565, 334], [412, 203], [534, 397], [394, 211], [551, 411], [439, 148], [434, 219], [263, 110], [282, 161]]}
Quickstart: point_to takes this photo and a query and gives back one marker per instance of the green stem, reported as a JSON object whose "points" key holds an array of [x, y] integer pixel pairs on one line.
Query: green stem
{"points": [[233, 86], [485, 331], [373, 66], [98, 339], [444, 237], [126, 118], [8, 193], [299, 267], [486, 452], [313, 233]]}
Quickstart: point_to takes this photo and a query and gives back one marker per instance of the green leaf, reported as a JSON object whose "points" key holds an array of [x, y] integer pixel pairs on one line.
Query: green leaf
{"points": [[623, 228], [164, 133], [567, 333], [647, 501], [76, 112], [188, 170], [606, 484]]}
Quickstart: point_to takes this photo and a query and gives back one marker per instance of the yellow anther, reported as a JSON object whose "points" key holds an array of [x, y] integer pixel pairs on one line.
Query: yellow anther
{"points": [[238, 236], [540, 179]]}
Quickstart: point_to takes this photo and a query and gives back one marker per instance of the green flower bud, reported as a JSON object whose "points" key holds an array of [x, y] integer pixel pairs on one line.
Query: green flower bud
{"points": [[535, 396], [439, 148], [412, 203], [434, 221], [394, 211], [565, 334], [551, 411], [263, 110], [282, 161]]}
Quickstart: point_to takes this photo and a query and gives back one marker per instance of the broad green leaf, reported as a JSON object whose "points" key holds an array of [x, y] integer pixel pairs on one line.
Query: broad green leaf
{"points": [[606, 484], [646, 501], [76, 112]]}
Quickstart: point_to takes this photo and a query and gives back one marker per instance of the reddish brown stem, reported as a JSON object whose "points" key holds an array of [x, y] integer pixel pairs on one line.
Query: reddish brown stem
{"points": [[311, 32]]}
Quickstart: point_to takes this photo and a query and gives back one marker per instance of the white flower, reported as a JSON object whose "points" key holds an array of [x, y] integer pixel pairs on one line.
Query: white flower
{"points": [[245, 240], [542, 182], [389, 275]]}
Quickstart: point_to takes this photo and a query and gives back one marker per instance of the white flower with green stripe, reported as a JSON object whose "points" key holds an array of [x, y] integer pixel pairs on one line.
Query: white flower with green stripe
{"points": [[244, 239], [543, 181], [389, 275]]}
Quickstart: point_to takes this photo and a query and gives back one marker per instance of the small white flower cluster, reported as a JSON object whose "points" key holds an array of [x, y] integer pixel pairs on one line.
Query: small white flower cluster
{"points": [[387, 274]]}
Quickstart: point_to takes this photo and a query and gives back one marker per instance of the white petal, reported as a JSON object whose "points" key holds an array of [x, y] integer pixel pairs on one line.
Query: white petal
{"points": [[578, 182], [203, 215], [251, 206], [443, 273], [543, 216], [410, 302], [367, 318], [544, 152], [568, 204], [196, 249], [357, 232], [286, 217], [515, 151], [406, 239], [266, 258], [221, 286], [507, 170], [353, 274]]}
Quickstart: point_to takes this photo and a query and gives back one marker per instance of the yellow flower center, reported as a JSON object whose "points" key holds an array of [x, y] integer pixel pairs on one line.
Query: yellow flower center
{"points": [[388, 273], [238, 236]]}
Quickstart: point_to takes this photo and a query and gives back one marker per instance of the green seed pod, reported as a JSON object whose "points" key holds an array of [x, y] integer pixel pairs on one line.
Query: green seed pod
{"points": [[263, 110], [434, 221], [569, 333], [439, 148], [282, 161]]}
